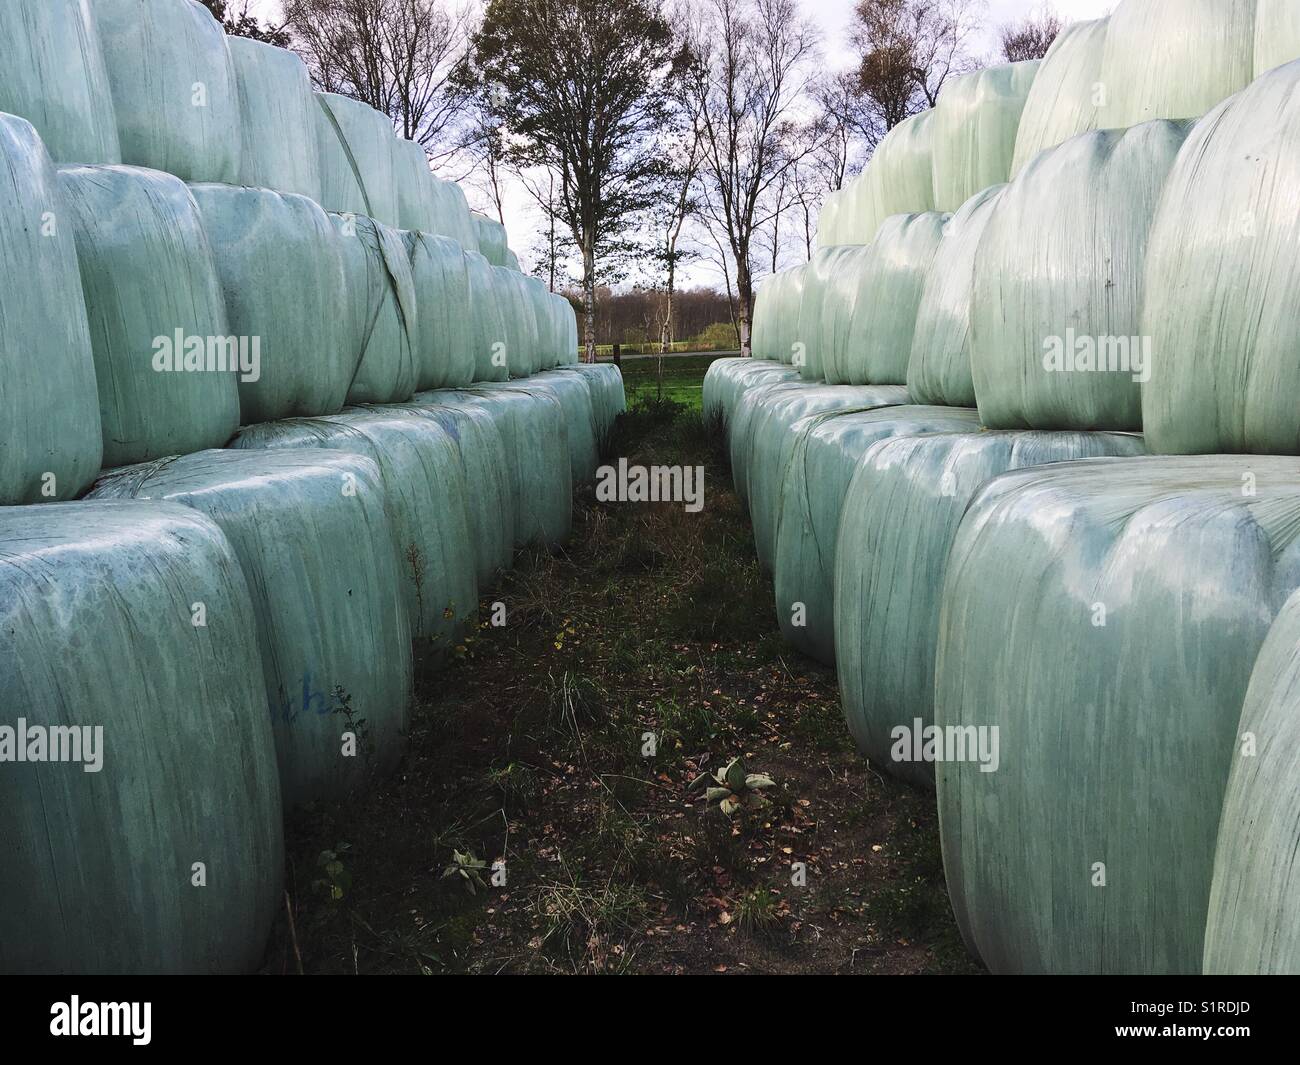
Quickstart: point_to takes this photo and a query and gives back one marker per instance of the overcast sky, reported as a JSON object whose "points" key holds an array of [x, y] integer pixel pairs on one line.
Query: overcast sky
{"points": [[834, 18]]}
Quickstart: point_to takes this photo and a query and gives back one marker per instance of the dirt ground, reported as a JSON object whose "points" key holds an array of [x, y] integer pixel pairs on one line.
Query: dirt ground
{"points": [[544, 819]]}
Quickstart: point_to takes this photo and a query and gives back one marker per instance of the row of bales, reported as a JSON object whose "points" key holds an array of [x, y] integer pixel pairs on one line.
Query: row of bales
{"points": [[276, 408], [1019, 450]]}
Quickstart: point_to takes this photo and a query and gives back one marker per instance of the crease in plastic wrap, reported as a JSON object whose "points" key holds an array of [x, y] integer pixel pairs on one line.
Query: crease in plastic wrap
{"points": [[328, 615], [537, 449], [1277, 34], [443, 342], [50, 434], [1222, 301], [767, 442], [52, 73], [356, 145], [1174, 59], [900, 514], [1057, 340], [1103, 616], [280, 264], [174, 91], [486, 465], [898, 179], [426, 497], [1254, 920], [148, 276], [726, 380], [974, 129], [820, 307], [938, 372], [889, 277], [277, 119], [818, 466], [96, 600], [382, 325], [1065, 99]]}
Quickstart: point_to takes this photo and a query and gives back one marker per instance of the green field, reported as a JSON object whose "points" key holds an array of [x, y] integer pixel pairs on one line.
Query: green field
{"points": [[683, 379]]}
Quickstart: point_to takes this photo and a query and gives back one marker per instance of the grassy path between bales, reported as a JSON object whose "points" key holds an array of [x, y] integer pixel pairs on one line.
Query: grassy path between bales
{"points": [[529, 748]]}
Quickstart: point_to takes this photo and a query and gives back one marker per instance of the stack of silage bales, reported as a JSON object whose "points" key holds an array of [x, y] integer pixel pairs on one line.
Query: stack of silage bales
{"points": [[1101, 611], [150, 320]]}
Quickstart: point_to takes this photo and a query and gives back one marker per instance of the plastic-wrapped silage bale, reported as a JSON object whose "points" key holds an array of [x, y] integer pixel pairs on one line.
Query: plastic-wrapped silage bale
{"points": [[419, 207], [381, 323], [486, 463], [280, 265], [1174, 58], [1277, 34], [174, 89], [1056, 336], [50, 436], [573, 391], [537, 445], [938, 371], [485, 318], [889, 279], [828, 219], [1103, 616], [356, 145], [768, 443], [1067, 93], [820, 309], [566, 332], [608, 396], [898, 179], [775, 332], [277, 117], [426, 495], [726, 380], [443, 341], [1254, 916], [899, 517], [456, 214], [547, 352], [973, 132], [520, 319], [1223, 281], [52, 74], [152, 294], [825, 450], [492, 241], [328, 615], [98, 603]]}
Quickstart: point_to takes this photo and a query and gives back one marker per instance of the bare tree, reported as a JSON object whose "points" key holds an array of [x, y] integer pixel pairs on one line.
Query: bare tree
{"points": [[1031, 37], [750, 68], [910, 48], [402, 57]]}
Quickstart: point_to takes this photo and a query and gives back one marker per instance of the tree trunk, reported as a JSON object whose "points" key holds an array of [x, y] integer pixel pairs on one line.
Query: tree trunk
{"points": [[589, 302], [744, 301], [668, 309]]}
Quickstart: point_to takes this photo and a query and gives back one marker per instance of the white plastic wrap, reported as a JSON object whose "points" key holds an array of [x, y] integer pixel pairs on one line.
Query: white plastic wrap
{"points": [[277, 119], [484, 320], [1175, 58], [974, 129], [327, 615], [726, 380], [938, 371], [50, 437], [1067, 93], [1277, 34], [1103, 616], [889, 281], [52, 74], [356, 145], [492, 242], [281, 270], [173, 87], [97, 603], [444, 338], [819, 301], [148, 275], [1222, 300], [1056, 336], [776, 312], [898, 179]]}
